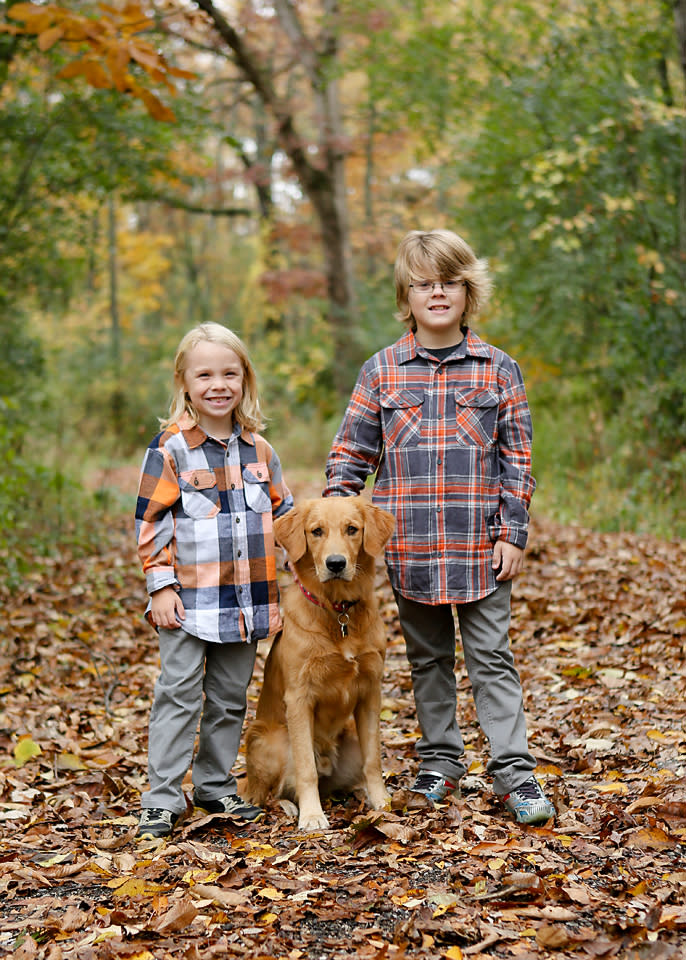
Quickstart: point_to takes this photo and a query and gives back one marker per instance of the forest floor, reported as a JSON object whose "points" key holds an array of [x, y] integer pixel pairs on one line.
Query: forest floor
{"points": [[599, 635]]}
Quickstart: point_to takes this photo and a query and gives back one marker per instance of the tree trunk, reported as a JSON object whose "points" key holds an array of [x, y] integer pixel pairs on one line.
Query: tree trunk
{"points": [[680, 23], [322, 175]]}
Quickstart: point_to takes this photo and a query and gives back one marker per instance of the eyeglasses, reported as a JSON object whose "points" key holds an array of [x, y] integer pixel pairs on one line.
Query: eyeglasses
{"points": [[447, 286]]}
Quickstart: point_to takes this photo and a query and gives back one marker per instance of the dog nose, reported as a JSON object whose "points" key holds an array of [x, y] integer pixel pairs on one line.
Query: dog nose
{"points": [[335, 563]]}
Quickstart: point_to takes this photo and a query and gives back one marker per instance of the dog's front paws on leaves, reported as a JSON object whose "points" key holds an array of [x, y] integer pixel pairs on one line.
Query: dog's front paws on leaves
{"points": [[313, 821], [380, 801], [289, 808]]}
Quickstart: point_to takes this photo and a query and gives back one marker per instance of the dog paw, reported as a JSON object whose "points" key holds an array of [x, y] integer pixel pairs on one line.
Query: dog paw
{"points": [[289, 808], [380, 800], [312, 822]]}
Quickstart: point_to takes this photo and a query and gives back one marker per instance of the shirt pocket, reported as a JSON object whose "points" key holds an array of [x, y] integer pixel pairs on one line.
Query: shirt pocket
{"points": [[199, 494], [256, 487], [401, 411], [476, 417]]}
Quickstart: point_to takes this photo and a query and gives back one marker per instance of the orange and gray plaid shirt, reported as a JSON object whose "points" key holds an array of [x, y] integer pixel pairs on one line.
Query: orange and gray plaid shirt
{"points": [[450, 442], [204, 526]]}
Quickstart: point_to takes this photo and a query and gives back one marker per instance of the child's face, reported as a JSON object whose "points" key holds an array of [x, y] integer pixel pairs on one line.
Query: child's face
{"points": [[214, 383], [438, 312]]}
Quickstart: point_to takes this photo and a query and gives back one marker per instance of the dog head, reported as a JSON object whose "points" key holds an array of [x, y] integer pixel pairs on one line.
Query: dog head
{"points": [[337, 532]]}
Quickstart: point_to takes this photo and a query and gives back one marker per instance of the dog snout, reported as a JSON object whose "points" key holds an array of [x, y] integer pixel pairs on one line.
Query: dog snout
{"points": [[336, 563]]}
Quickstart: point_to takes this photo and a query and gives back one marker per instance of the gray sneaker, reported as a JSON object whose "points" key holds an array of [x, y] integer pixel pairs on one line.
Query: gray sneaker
{"points": [[231, 804], [529, 803], [156, 822], [435, 786]]}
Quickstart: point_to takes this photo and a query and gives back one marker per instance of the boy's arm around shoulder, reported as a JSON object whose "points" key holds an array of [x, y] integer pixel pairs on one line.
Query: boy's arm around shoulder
{"points": [[356, 448]]}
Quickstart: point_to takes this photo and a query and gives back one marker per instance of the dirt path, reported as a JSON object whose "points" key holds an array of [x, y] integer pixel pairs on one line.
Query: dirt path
{"points": [[599, 635]]}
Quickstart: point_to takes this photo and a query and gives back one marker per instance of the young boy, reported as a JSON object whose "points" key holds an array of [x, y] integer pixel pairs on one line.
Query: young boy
{"points": [[442, 418]]}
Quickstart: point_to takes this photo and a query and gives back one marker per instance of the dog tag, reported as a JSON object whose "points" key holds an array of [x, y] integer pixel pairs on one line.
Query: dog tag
{"points": [[344, 620]]}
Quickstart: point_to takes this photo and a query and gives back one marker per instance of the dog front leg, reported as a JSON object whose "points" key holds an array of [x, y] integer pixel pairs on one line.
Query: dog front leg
{"points": [[368, 724], [300, 718]]}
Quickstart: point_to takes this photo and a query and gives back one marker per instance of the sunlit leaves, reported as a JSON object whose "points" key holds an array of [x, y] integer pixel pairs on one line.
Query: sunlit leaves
{"points": [[109, 45]]}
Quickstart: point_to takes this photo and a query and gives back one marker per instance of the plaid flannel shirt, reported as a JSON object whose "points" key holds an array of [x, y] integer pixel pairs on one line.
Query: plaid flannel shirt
{"points": [[204, 526], [450, 442]]}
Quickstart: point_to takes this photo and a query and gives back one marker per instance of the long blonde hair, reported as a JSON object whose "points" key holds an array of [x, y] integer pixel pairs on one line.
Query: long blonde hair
{"points": [[247, 413], [445, 255]]}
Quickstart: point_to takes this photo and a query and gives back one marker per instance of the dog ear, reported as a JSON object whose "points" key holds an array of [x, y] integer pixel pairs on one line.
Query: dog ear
{"points": [[289, 531], [378, 526]]}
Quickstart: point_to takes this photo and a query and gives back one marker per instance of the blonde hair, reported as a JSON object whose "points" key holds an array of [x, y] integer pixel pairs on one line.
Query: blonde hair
{"points": [[247, 413], [444, 255]]}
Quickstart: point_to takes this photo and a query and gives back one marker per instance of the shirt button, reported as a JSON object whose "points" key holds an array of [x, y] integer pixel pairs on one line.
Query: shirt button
{"points": [[238, 553], [238, 519], [233, 486], [439, 461]]}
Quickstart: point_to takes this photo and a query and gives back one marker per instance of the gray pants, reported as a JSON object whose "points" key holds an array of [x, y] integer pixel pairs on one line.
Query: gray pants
{"points": [[198, 680], [429, 633]]}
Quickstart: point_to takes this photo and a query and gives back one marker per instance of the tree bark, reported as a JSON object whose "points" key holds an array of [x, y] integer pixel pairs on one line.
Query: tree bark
{"points": [[322, 174]]}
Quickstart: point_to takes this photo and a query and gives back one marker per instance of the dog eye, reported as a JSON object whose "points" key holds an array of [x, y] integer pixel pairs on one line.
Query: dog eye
{"points": [[352, 530], [317, 532]]}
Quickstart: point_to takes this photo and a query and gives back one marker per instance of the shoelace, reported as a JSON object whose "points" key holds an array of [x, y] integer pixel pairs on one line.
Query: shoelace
{"points": [[529, 790], [426, 781]]}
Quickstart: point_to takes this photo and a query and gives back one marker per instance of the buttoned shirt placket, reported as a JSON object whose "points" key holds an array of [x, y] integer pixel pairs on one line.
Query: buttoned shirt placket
{"points": [[239, 533]]}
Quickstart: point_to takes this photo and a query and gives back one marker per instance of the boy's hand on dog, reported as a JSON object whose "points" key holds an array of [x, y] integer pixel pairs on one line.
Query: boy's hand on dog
{"points": [[507, 559], [166, 608]]}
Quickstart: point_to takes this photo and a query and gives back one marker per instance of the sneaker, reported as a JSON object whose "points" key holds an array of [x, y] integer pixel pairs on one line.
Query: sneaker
{"points": [[231, 804], [435, 786], [156, 822], [528, 803]]}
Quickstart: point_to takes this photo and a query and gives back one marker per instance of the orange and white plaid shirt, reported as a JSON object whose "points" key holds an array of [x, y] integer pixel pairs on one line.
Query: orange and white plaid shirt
{"points": [[450, 443], [204, 526]]}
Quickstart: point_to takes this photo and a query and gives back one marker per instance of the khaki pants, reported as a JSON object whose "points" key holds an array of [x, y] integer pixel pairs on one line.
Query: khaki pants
{"points": [[198, 681], [429, 633]]}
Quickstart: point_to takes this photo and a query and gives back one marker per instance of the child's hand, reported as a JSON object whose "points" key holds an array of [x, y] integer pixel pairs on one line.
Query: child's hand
{"points": [[508, 558], [166, 608]]}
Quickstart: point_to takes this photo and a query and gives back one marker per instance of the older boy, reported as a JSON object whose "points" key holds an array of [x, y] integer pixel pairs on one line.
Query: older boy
{"points": [[443, 420]]}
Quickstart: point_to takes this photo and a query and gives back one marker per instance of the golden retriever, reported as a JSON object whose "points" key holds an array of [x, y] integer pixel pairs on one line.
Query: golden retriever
{"points": [[316, 728]]}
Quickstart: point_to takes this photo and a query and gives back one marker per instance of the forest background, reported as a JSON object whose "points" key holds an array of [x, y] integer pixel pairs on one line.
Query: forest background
{"points": [[168, 162]]}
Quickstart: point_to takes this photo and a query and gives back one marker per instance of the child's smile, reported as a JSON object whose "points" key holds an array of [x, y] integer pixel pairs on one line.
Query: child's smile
{"points": [[214, 384], [438, 315]]}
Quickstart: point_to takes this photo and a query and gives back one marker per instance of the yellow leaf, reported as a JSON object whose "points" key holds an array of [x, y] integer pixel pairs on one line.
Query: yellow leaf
{"points": [[612, 788], [52, 861], [262, 850], [271, 893], [26, 749], [134, 887], [49, 38], [69, 761], [454, 953], [269, 917]]}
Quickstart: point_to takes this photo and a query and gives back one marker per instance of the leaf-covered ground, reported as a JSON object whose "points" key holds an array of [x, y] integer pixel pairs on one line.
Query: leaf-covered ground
{"points": [[599, 632]]}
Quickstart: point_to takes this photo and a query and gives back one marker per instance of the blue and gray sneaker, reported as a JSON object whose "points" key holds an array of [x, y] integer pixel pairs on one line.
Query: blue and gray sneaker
{"points": [[529, 803], [435, 786]]}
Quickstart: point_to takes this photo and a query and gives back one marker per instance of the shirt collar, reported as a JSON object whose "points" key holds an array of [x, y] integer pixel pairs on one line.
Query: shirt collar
{"points": [[195, 436], [471, 345]]}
